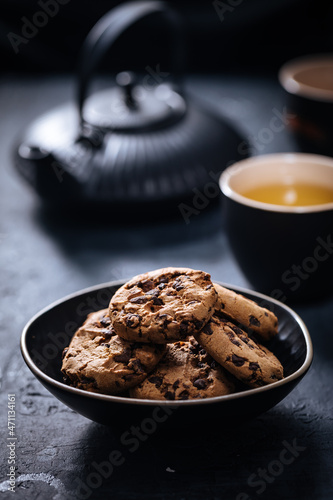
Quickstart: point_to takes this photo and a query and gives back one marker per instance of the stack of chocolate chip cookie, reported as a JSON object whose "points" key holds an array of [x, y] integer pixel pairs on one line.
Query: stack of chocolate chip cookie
{"points": [[171, 334]]}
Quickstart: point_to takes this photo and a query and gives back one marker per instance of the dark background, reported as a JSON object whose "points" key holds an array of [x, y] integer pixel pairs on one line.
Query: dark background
{"points": [[258, 35]]}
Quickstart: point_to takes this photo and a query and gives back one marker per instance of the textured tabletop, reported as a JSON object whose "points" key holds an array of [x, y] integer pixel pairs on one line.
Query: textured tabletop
{"points": [[60, 454]]}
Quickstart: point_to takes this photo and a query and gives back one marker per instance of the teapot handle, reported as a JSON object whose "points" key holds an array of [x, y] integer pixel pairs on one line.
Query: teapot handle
{"points": [[111, 26]]}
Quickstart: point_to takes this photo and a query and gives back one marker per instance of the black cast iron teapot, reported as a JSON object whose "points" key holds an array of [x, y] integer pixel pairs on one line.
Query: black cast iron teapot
{"points": [[140, 143]]}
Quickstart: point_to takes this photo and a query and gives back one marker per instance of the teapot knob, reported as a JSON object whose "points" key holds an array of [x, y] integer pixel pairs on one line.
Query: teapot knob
{"points": [[127, 80]]}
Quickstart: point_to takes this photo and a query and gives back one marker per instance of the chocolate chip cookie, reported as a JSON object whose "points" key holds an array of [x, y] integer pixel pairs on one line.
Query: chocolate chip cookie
{"points": [[98, 360], [163, 306], [186, 371], [242, 356], [246, 312]]}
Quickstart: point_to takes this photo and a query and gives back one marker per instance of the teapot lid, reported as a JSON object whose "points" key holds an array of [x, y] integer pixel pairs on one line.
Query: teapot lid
{"points": [[133, 105]]}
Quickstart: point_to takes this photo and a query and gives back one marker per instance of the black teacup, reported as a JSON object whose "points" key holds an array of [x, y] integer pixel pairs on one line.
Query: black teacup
{"points": [[284, 249]]}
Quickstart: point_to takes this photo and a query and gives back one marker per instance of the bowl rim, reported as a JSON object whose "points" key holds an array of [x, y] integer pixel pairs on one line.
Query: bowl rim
{"points": [[178, 403], [286, 158], [289, 69]]}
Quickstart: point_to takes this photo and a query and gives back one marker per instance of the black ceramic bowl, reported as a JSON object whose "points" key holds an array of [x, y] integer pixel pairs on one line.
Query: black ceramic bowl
{"points": [[47, 333], [284, 251]]}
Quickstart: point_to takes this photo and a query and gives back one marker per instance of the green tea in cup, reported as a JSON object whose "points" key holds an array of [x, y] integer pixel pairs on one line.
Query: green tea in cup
{"points": [[296, 194]]}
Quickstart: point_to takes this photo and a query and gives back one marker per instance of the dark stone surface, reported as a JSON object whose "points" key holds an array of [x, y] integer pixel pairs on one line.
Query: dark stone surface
{"points": [[45, 258]]}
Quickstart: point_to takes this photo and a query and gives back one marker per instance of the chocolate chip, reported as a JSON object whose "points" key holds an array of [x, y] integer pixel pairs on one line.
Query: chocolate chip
{"points": [[178, 285], [157, 301], [198, 324], [200, 383], [207, 329], [184, 395], [209, 287], [88, 381], [139, 300], [163, 280], [105, 321], [156, 380], [220, 315], [137, 366], [195, 349], [146, 285], [108, 333], [161, 286], [213, 364], [166, 319], [237, 360], [175, 385], [169, 395], [230, 334], [183, 327], [237, 330], [254, 366], [105, 345], [132, 320], [64, 352], [123, 357], [254, 321]]}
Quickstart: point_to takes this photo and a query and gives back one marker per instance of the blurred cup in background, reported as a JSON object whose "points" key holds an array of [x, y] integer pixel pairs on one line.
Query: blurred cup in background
{"points": [[308, 82]]}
